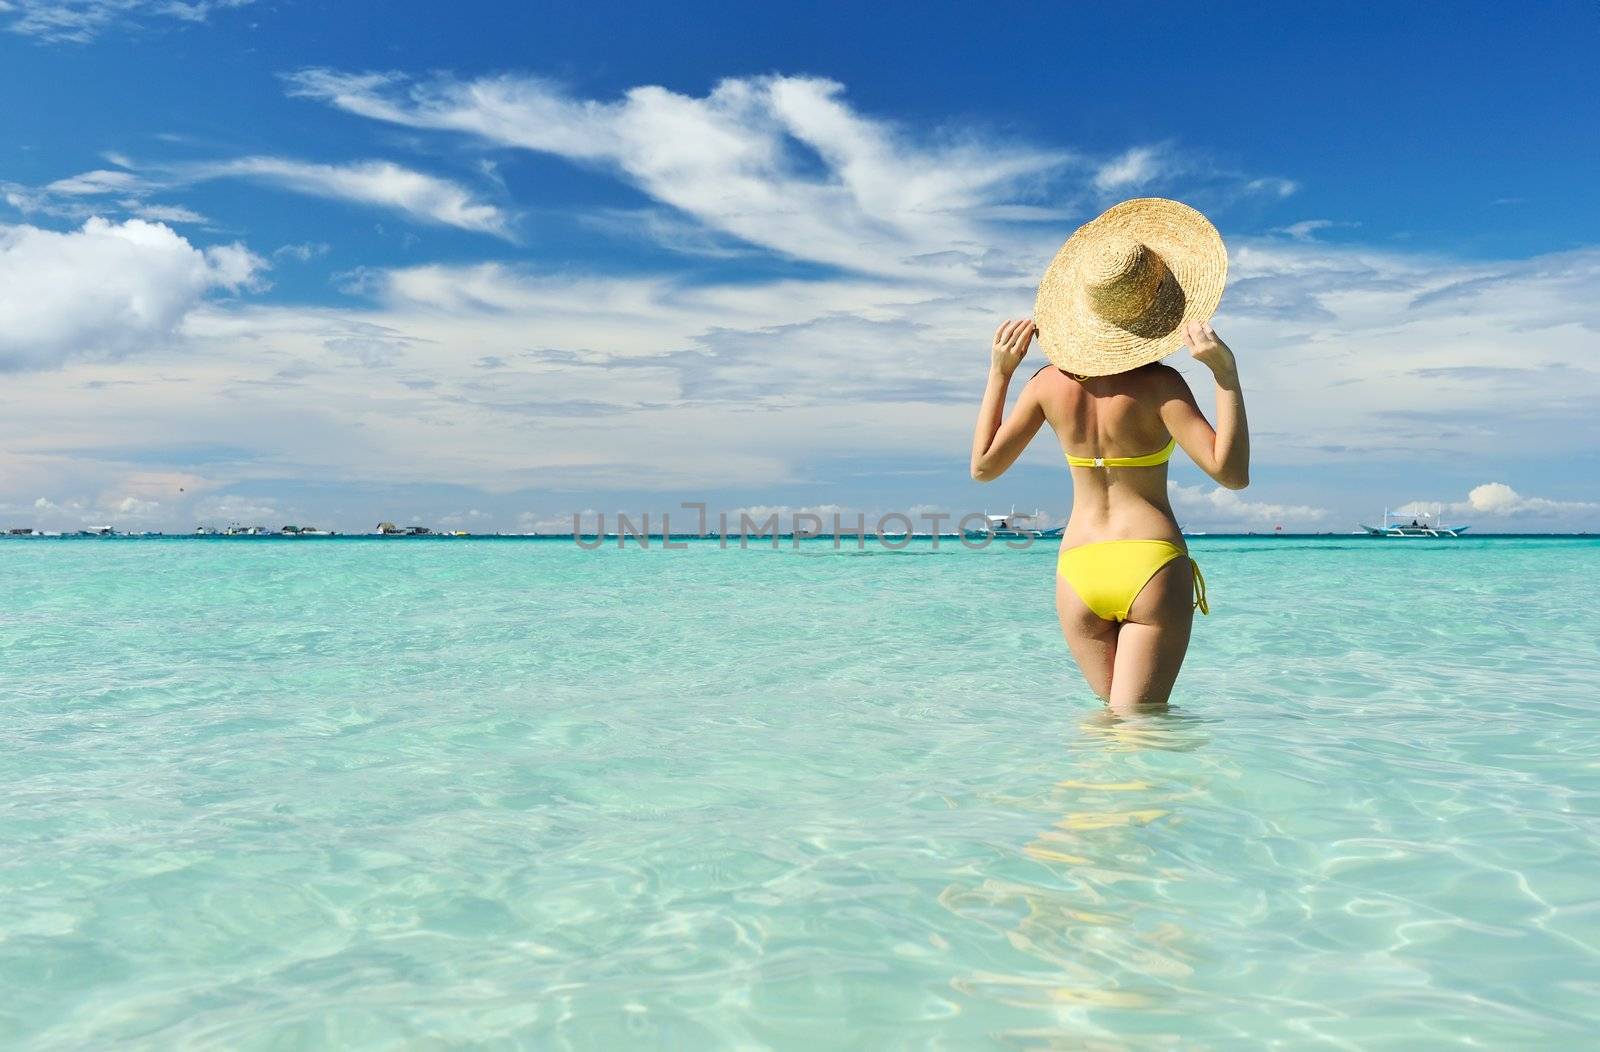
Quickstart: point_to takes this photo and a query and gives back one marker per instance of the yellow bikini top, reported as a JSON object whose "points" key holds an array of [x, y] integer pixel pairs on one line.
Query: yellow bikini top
{"points": [[1149, 460]]}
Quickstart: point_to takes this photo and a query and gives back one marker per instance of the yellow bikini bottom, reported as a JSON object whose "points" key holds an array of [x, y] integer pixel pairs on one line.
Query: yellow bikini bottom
{"points": [[1109, 575]]}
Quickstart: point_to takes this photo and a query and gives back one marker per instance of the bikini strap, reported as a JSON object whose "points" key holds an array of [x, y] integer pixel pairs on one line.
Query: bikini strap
{"points": [[1145, 460], [1200, 603]]}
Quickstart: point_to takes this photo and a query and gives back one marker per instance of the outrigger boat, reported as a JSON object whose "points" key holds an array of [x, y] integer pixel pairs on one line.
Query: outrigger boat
{"points": [[1419, 526], [1012, 526]]}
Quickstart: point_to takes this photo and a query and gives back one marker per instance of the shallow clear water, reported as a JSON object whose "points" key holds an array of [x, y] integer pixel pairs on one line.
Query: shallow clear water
{"points": [[412, 794]]}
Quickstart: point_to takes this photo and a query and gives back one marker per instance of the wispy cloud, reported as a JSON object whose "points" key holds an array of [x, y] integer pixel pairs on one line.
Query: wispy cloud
{"points": [[99, 181], [101, 191], [380, 183], [1138, 166], [786, 164], [1273, 186], [80, 21], [162, 213], [1306, 229], [302, 251], [742, 160]]}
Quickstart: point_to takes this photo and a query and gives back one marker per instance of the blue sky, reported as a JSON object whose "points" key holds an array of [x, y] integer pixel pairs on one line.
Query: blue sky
{"points": [[286, 262]]}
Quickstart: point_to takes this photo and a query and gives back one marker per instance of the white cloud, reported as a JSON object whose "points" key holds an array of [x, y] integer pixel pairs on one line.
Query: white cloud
{"points": [[80, 21], [106, 289], [132, 508], [1272, 186], [1225, 507], [1306, 228], [70, 510], [1499, 499], [302, 252], [383, 184], [77, 197], [666, 229], [784, 163], [1138, 166], [742, 160], [380, 183], [163, 213], [100, 181], [114, 506]]}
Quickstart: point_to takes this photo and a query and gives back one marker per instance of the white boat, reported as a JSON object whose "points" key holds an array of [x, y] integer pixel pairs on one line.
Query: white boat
{"points": [[1012, 526], [1421, 525]]}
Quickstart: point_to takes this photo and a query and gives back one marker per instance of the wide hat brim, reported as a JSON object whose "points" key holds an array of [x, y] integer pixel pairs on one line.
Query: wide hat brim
{"points": [[1075, 338]]}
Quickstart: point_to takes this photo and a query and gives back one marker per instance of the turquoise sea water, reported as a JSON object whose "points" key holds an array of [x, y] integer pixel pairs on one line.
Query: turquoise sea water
{"points": [[476, 794]]}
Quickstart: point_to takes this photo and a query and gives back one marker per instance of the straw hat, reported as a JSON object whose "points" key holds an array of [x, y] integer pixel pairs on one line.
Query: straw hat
{"points": [[1119, 292]]}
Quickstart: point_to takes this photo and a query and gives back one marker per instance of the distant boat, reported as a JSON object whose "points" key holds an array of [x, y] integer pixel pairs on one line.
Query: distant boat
{"points": [[1017, 527], [1419, 526]]}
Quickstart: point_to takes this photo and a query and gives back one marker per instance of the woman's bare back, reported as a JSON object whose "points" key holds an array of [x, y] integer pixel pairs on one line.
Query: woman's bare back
{"points": [[1113, 416]]}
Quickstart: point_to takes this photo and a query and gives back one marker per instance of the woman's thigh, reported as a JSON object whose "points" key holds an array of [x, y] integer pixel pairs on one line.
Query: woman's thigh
{"points": [[1091, 638], [1151, 644]]}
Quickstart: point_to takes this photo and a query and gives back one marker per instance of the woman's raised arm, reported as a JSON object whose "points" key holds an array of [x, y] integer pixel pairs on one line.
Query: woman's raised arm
{"points": [[1223, 453], [996, 445]]}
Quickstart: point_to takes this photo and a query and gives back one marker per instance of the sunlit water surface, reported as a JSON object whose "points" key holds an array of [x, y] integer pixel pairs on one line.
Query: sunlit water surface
{"points": [[368, 794]]}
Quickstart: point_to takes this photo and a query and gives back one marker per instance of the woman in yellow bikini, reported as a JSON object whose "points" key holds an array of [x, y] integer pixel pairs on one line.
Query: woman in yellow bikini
{"points": [[1126, 290]]}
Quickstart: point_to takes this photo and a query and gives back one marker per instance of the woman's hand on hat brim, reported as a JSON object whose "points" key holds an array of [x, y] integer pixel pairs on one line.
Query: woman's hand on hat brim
{"points": [[1208, 349], [1011, 342]]}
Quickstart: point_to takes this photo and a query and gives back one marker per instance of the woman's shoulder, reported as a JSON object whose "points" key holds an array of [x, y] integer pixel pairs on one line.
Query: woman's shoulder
{"points": [[1159, 372], [1161, 379], [1047, 382]]}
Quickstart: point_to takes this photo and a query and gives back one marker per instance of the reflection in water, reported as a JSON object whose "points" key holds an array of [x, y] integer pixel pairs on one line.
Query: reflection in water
{"points": [[1083, 897], [1168, 729]]}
